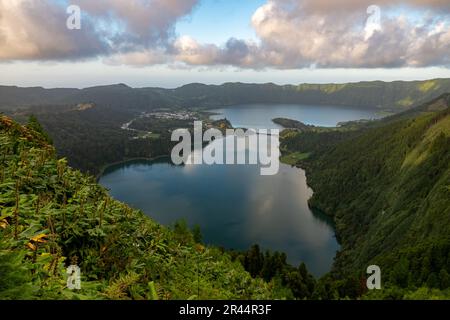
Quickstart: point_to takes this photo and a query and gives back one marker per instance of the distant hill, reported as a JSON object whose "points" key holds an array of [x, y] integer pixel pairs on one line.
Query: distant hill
{"points": [[394, 96], [113, 96]]}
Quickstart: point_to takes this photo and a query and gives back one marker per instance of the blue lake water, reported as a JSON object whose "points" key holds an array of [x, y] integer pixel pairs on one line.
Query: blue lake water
{"points": [[233, 204], [259, 116]]}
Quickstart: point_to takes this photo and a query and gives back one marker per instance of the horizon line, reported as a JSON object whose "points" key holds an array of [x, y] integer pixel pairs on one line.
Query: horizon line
{"points": [[221, 84]]}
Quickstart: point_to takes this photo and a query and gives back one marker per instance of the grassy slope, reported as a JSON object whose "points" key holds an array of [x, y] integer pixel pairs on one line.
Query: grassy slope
{"points": [[388, 189], [51, 213]]}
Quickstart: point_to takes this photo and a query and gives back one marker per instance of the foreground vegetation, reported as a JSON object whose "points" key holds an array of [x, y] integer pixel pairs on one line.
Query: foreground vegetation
{"points": [[52, 216]]}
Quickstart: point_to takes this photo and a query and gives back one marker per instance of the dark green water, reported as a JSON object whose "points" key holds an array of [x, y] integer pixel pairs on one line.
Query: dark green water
{"points": [[234, 205]]}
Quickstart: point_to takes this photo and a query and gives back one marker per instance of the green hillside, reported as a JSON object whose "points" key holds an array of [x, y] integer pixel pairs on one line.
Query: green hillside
{"points": [[388, 190], [395, 96], [52, 216]]}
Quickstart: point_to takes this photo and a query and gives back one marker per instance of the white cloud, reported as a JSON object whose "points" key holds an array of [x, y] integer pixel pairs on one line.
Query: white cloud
{"points": [[329, 34], [291, 34], [36, 30], [137, 22], [307, 33]]}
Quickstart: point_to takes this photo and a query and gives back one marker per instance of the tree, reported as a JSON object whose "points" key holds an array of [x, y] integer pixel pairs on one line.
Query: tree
{"points": [[400, 273], [349, 287], [35, 125], [268, 270], [182, 232], [444, 279], [254, 261], [433, 281], [196, 232], [294, 281]]}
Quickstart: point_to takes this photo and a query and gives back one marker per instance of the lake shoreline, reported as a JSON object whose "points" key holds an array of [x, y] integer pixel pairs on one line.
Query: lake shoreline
{"points": [[106, 166], [288, 218], [321, 221]]}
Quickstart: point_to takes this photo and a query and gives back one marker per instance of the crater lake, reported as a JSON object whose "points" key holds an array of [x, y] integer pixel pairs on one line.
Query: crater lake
{"points": [[234, 205]]}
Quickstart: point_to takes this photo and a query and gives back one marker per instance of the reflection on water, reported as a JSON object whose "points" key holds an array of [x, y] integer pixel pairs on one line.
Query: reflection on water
{"points": [[233, 204]]}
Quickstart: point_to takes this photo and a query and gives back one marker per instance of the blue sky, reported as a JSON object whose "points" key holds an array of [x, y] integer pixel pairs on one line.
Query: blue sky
{"points": [[40, 51], [215, 21]]}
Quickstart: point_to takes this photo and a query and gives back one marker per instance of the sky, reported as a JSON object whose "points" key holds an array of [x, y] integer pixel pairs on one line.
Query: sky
{"points": [[168, 43]]}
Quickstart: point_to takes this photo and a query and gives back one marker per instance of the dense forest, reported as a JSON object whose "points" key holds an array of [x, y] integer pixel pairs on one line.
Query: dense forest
{"points": [[92, 138], [387, 186]]}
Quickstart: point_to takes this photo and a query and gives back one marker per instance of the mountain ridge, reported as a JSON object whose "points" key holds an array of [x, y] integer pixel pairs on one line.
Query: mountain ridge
{"points": [[394, 96]]}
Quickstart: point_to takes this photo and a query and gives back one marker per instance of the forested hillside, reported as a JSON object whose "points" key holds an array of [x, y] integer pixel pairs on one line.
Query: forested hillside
{"points": [[53, 216], [388, 190], [90, 136], [114, 96], [395, 96]]}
